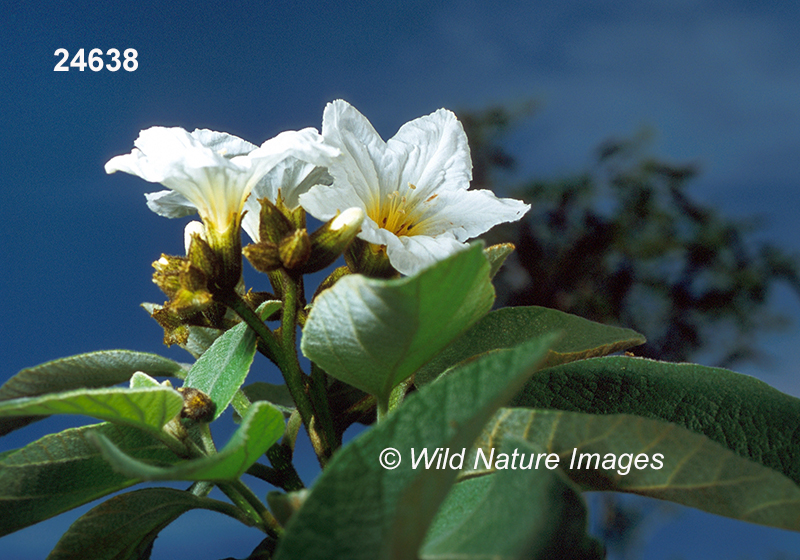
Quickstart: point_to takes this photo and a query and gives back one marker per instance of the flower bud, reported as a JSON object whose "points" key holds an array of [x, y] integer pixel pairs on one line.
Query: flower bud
{"points": [[283, 506], [369, 259], [167, 274], [263, 256], [273, 225], [203, 258], [295, 248], [197, 405], [178, 322], [296, 216], [175, 331], [184, 283], [332, 278], [330, 240], [193, 228]]}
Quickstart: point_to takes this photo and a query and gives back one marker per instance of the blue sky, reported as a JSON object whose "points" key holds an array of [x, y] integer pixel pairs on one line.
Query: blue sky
{"points": [[719, 82]]}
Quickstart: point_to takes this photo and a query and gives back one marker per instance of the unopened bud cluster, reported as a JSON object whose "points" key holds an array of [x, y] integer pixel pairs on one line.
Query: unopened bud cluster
{"points": [[285, 243], [189, 283]]}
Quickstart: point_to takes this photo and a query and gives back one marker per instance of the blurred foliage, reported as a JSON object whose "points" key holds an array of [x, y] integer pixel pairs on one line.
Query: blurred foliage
{"points": [[625, 244]]}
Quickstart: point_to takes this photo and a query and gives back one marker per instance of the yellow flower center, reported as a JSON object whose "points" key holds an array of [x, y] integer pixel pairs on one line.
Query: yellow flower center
{"points": [[398, 213]]}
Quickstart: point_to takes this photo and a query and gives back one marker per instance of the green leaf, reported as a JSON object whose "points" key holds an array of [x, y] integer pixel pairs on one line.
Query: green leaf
{"points": [[222, 369], [358, 509], [125, 526], [200, 339], [261, 427], [507, 327], [373, 334], [737, 411], [141, 380], [84, 371], [497, 255], [95, 369], [64, 470], [277, 395], [149, 407], [539, 515], [691, 470]]}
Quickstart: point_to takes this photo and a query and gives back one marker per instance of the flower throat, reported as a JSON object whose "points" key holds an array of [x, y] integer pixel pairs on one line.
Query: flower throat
{"points": [[398, 213]]}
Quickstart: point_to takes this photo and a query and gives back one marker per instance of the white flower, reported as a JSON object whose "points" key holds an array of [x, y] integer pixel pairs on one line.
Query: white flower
{"points": [[193, 228], [413, 188], [291, 177], [210, 172]]}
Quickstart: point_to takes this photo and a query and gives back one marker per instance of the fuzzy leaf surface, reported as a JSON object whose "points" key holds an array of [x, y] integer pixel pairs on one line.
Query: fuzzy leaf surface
{"points": [[147, 407], [693, 471], [261, 427], [61, 471], [360, 510], [737, 411], [84, 371], [125, 526], [222, 369], [538, 513], [373, 334], [509, 326]]}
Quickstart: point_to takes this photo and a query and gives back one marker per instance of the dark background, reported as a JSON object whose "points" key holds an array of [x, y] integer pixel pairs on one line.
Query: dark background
{"points": [[718, 82]]}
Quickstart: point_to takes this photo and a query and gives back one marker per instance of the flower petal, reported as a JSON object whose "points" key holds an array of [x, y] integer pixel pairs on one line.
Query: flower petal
{"points": [[409, 255], [170, 204], [306, 144], [213, 171], [292, 177], [161, 152], [227, 145], [179, 161], [467, 214], [324, 201], [435, 152], [416, 185], [364, 164]]}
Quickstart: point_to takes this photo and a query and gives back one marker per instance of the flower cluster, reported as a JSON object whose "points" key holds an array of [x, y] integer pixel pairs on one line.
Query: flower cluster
{"points": [[407, 199]]}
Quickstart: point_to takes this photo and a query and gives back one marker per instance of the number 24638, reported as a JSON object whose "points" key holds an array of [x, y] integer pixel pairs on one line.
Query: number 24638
{"points": [[96, 62]]}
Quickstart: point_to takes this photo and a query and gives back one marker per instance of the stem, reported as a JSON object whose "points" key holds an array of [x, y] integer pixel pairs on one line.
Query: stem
{"points": [[399, 393], [229, 510], [276, 281], [281, 458], [235, 302], [248, 504], [276, 477], [243, 497], [383, 408], [297, 382], [292, 428], [201, 488], [240, 403], [319, 398], [206, 439], [281, 348]]}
